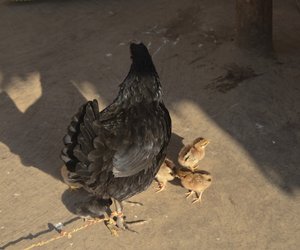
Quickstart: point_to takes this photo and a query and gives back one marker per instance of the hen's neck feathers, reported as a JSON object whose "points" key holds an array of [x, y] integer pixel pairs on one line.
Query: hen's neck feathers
{"points": [[142, 83], [138, 88]]}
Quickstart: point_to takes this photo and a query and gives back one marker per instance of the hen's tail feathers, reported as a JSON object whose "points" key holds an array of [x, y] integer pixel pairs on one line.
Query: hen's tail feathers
{"points": [[79, 138]]}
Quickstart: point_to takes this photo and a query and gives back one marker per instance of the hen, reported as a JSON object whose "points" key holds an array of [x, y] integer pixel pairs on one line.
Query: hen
{"points": [[116, 153]]}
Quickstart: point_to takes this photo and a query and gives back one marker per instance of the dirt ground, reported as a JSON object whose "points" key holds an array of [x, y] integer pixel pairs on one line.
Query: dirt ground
{"points": [[56, 54]]}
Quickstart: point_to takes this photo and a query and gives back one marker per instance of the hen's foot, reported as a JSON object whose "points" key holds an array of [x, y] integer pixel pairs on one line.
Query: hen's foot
{"points": [[120, 221], [111, 225]]}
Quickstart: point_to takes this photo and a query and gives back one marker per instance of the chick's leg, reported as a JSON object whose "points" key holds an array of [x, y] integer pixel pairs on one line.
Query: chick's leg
{"points": [[189, 193], [194, 168], [161, 187], [198, 199]]}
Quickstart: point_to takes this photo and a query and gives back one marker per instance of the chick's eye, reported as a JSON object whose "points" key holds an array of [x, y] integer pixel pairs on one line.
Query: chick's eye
{"points": [[209, 179]]}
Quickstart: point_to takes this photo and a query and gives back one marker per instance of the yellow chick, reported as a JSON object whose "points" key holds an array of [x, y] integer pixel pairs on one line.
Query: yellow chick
{"points": [[190, 155], [195, 182], [64, 173], [165, 174]]}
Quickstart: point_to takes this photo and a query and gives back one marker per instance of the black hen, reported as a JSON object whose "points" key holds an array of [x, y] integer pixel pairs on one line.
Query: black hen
{"points": [[117, 152]]}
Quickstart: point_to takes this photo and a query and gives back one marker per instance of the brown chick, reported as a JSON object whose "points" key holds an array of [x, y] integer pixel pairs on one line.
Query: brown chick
{"points": [[195, 182], [165, 174], [65, 175], [190, 155]]}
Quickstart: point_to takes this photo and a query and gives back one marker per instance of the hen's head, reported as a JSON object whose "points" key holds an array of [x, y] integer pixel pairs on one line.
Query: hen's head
{"points": [[141, 59], [142, 83]]}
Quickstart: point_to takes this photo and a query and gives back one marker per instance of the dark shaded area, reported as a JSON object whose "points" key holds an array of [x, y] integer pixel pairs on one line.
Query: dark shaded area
{"points": [[70, 198], [174, 147], [36, 135], [254, 25], [26, 142], [234, 75]]}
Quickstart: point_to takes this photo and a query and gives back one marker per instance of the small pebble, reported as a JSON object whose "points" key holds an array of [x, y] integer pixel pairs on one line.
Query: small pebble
{"points": [[109, 54], [16, 194], [2, 227], [259, 126], [200, 45], [59, 226], [176, 41]]}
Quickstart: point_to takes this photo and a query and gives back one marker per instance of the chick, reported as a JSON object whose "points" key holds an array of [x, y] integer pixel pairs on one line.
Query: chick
{"points": [[165, 174], [190, 155], [195, 182], [65, 175]]}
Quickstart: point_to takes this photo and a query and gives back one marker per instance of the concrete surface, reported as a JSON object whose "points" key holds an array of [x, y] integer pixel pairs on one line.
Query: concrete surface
{"points": [[57, 54]]}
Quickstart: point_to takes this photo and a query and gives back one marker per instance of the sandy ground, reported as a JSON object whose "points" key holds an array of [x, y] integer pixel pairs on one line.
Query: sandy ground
{"points": [[57, 54]]}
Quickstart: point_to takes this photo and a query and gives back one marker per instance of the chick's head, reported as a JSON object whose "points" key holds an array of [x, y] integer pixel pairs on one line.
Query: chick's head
{"points": [[200, 143]]}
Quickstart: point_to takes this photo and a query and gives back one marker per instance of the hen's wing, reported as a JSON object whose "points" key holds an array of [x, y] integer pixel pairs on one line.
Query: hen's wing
{"points": [[140, 146]]}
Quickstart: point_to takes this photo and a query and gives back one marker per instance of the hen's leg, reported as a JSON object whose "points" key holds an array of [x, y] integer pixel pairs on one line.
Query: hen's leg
{"points": [[120, 217], [111, 225]]}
